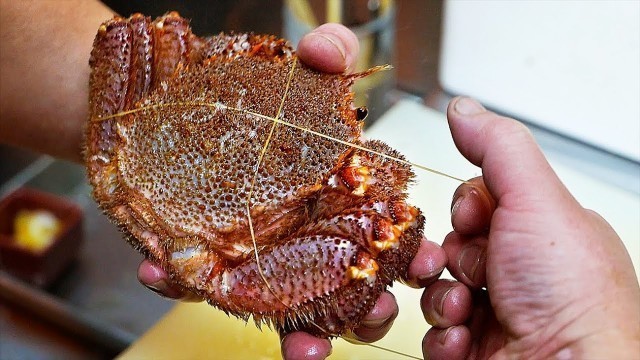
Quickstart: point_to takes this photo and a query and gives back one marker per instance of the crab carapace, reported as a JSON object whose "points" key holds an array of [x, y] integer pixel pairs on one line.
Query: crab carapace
{"points": [[183, 155]]}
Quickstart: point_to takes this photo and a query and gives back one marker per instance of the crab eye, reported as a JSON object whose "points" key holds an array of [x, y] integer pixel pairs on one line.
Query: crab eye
{"points": [[361, 113]]}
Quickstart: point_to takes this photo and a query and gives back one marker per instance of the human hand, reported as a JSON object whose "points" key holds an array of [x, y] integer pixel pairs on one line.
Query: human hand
{"points": [[551, 268]]}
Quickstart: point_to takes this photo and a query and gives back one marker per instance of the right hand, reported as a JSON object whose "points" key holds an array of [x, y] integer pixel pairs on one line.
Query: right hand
{"points": [[559, 282]]}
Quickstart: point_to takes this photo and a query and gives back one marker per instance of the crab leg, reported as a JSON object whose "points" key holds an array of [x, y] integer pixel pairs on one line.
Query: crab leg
{"points": [[303, 276], [122, 61], [130, 58]]}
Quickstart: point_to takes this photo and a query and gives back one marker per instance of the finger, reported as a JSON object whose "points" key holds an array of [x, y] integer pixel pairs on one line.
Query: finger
{"points": [[427, 265], [157, 280], [472, 208], [446, 303], [451, 343], [487, 335], [377, 323], [300, 345], [331, 48], [467, 258], [511, 161]]}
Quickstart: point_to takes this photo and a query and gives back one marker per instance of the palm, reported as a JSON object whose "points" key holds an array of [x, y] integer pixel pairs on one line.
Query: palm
{"points": [[529, 250], [530, 295]]}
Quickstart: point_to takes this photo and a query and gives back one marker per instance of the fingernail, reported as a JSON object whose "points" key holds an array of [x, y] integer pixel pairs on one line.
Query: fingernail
{"points": [[158, 287], [162, 288], [456, 204], [431, 275], [471, 261], [442, 337], [468, 106], [334, 41], [440, 297], [374, 323]]}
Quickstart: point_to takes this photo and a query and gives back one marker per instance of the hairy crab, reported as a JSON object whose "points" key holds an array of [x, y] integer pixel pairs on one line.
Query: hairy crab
{"points": [[243, 173]]}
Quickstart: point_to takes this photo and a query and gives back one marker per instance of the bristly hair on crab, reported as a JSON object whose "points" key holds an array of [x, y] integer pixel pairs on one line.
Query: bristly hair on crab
{"points": [[243, 173]]}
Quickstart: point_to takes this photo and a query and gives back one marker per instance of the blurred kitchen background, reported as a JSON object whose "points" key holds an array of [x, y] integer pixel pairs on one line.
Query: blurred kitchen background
{"points": [[97, 307]]}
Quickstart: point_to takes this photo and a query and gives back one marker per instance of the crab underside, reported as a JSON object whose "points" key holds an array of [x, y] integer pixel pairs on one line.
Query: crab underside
{"points": [[217, 158]]}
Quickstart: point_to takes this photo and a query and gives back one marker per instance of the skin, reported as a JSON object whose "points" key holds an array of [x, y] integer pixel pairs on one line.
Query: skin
{"points": [[44, 61], [538, 301]]}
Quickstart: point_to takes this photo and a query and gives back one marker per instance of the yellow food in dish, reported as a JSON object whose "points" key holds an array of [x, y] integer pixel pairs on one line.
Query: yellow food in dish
{"points": [[35, 229]]}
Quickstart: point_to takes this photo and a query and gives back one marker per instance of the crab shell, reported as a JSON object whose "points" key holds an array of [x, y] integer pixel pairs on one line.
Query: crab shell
{"points": [[264, 218]]}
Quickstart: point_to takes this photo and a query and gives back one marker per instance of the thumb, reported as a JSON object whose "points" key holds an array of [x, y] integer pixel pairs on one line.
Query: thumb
{"points": [[512, 163], [331, 48]]}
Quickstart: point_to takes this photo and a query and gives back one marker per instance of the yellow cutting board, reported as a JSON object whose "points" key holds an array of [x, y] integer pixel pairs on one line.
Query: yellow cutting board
{"points": [[198, 331]]}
